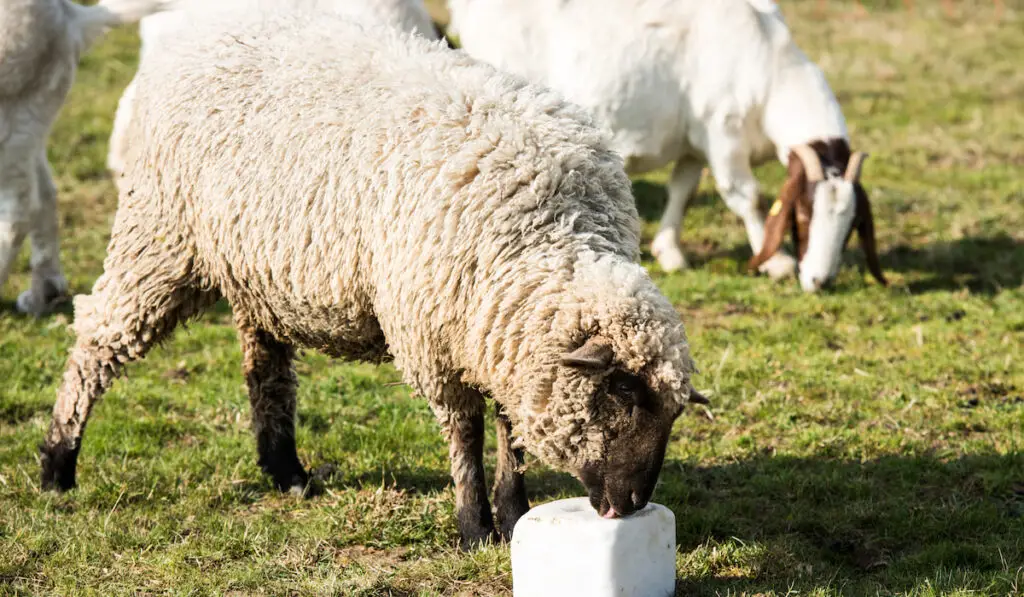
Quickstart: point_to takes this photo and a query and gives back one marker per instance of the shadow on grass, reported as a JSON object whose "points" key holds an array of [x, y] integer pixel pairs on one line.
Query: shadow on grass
{"points": [[894, 522], [651, 199], [542, 483], [982, 265], [886, 525], [16, 413], [10, 309]]}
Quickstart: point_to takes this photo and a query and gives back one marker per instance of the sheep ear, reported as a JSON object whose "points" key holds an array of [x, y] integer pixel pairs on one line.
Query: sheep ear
{"points": [[781, 214], [866, 232], [594, 354]]}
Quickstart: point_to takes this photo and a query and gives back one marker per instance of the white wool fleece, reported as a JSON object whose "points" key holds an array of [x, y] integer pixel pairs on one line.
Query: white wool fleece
{"points": [[406, 15], [375, 195]]}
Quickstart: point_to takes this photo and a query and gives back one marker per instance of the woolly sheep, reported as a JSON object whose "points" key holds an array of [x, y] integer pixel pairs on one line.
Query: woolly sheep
{"points": [[689, 82], [40, 44], [407, 15], [377, 196]]}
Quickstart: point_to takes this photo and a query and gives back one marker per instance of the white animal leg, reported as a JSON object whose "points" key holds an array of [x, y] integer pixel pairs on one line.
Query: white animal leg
{"points": [[13, 224], [12, 235], [730, 164], [681, 189], [115, 155], [49, 286]]}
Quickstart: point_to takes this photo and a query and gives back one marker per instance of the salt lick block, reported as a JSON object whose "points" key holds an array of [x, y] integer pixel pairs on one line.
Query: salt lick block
{"points": [[564, 549]]}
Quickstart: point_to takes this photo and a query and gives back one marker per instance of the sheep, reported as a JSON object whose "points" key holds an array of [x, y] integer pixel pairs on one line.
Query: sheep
{"points": [[408, 15], [689, 83], [375, 196], [40, 44]]}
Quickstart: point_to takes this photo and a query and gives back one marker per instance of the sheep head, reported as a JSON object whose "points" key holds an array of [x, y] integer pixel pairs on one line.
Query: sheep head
{"points": [[633, 414], [822, 202]]}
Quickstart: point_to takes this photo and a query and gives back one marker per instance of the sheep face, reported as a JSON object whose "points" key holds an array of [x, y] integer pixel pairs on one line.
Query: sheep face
{"points": [[633, 421], [821, 204]]}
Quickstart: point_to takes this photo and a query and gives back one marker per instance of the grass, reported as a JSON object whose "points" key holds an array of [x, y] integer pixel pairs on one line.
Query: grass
{"points": [[867, 441]]}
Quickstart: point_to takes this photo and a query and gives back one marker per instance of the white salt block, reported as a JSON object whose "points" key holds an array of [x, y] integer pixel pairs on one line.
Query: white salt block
{"points": [[564, 548]]}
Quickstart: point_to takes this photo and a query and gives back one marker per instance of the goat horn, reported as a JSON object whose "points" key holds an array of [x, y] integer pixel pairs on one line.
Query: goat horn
{"points": [[812, 164], [853, 168]]}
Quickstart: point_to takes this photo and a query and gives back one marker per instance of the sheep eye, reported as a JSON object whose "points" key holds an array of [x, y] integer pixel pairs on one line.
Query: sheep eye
{"points": [[627, 389]]}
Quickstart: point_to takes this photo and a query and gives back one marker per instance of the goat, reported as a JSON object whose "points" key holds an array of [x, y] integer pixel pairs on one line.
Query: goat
{"points": [[687, 82], [40, 44]]}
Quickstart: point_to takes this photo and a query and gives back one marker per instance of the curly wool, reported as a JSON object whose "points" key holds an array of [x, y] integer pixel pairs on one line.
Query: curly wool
{"points": [[407, 15], [374, 195]]}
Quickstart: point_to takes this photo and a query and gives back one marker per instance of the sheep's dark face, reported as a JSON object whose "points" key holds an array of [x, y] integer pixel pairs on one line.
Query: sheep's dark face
{"points": [[637, 426], [635, 423]]}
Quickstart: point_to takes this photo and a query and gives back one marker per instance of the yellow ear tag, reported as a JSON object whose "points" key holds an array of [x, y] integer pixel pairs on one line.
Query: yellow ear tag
{"points": [[776, 208]]}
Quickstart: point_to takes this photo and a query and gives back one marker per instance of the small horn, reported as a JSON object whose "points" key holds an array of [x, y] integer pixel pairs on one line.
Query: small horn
{"points": [[594, 354], [697, 398], [812, 163], [853, 168]]}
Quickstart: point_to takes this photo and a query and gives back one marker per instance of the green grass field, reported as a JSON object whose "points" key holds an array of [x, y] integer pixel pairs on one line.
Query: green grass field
{"points": [[866, 441]]}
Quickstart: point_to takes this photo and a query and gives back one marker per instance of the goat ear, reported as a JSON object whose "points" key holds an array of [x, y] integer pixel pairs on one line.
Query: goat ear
{"points": [[866, 232], [594, 354], [781, 214]]}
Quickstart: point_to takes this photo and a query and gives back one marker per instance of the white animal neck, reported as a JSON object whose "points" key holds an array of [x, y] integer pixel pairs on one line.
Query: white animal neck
{"points": [[801, 106]]}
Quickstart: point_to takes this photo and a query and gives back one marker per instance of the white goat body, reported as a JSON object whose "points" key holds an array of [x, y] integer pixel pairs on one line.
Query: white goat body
{"points": [[41, 42], [683, 82]]}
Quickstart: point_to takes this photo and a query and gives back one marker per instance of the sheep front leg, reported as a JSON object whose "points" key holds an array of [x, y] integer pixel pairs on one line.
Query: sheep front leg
{"points": [[134, 305], [49, 287], [681, 189], [272, 385], [730, 165], [510, 501], [464, 426]]}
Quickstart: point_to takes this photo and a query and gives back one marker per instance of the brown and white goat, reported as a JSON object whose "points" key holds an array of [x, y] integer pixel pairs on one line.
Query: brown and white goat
{"points": [[821, 203]]}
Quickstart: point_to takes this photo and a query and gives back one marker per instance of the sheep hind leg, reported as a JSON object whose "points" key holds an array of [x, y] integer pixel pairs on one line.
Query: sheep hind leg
{"points": [[510, 501], [134, 305], [272, 385]]}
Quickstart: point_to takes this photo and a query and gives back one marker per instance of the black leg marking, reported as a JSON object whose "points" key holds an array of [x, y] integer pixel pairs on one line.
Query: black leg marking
{"points": [[510, 501]]}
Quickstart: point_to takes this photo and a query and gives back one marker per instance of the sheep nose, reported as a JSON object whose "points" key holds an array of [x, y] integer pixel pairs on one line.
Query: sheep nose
{"points": [[818, 283]]}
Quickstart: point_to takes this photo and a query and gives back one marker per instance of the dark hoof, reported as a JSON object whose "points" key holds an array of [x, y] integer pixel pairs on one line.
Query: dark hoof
{"points": [[298, 484], [58, 466]]}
